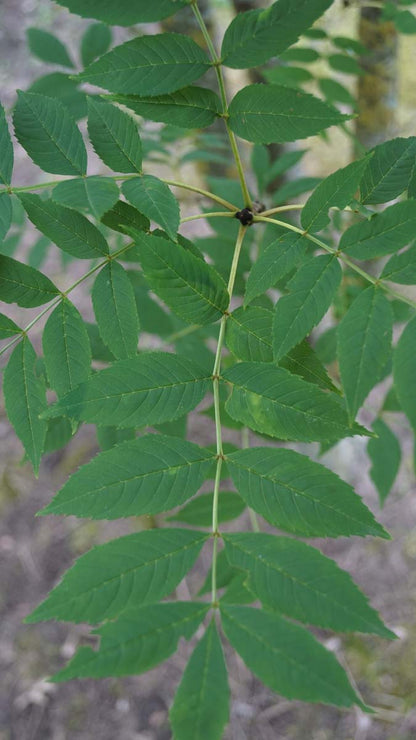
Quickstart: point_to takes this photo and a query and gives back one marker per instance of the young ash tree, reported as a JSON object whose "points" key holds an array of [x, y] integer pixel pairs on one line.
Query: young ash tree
{"points": [[233, 315]]}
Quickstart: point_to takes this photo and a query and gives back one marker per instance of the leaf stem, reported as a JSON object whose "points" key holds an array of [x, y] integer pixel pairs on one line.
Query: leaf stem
{"points": [[122, 178], [221, 84], [280, 209], [62, 295], [369, 278], [216, 214], [217, 412]]}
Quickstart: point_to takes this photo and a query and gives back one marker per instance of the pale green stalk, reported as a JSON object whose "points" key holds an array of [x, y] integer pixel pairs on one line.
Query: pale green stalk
{"points": [[221, 84], [173, 183], [218, 431], [369, 278], [217, 214]]}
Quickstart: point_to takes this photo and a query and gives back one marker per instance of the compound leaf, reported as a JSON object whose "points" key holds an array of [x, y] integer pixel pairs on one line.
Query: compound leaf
{"points": [[115, 310], [23, 284], [149, 65], [114, 136], [49, 134], [248, 334], [311, 291], [204, 686], [191, 107], [142, 391], [154, 199], [131, 571], [364, 343], [383, 233], [66, 228], [385, 454], [286, 657], [66, 347], [299, 495], [143, 476], [255, 36], [187, 284], [137, 641], [25, 398], [273, 113], [282, 573]]}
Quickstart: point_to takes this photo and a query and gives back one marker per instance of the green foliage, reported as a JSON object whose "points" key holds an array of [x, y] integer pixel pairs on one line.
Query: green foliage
{"points": [[256, 325]]}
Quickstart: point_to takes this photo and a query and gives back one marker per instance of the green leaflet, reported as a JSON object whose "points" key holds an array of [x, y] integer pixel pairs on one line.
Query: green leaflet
{"points": [[6, 150], [187, 284], [7, 327], [123, 217], [389, 170], [66, 348], [282, 573], [124, 13], [24, 285], [58, 434], [401, 268], [286, 657], [50, 136], [272, 401], [114, 136], [302, 360], [96, 194], [154, 199], [137, 641], [65, 89], [273, 113], [248, 334], [191, 107], [95, 41], [153, 318], [146, 475], [115, 310], [338, 189], [201, 706], [311, 291], [148, 389], [385, 455], [198, 512], [334, 92], [364, 344], [130, 571], [68, 229], [5, 214], [149, 65], [278, 259], [25, 398], [299, 495], [404, 371], [255, 36], [48, 48], [383, 233], [109, 437]]}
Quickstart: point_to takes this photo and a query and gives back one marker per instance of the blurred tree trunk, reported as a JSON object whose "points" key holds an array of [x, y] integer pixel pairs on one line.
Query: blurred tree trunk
{"points": [[377, 88]]}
